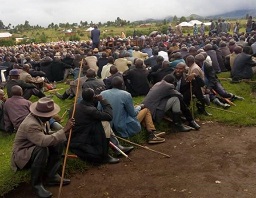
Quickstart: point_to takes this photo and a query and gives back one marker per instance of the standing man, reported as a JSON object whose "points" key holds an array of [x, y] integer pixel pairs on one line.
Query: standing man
{"points": [[95, 36], [35, 147]]}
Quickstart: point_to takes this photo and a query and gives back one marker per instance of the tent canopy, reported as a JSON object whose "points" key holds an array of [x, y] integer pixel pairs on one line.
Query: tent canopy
{"points": [[185, 24], [195, 22], [89, 29]]}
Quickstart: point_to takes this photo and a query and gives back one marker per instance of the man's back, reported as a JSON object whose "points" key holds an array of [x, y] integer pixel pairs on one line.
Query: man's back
{"points": [[124, 114], [16, 109]]}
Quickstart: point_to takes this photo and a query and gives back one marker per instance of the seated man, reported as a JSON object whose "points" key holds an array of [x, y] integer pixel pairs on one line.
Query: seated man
{"points": [[163, 97], [26, 77], [183, 85], [126, 118], [38, 149], [136, 80], [92, 131], [16, 109], [114, 72], [71, 91], [29, 89], [162, 72], [212, 82], [244, 65], [92, 82], [2, 101]]}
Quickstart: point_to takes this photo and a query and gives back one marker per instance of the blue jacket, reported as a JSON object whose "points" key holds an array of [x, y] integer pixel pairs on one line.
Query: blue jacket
{"points": [[124, 121]]}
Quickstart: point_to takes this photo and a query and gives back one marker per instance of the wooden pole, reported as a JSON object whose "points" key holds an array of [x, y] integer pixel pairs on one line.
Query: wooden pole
{"points": [[144, 147], [70, 132], [191, 100], [119, 150]]}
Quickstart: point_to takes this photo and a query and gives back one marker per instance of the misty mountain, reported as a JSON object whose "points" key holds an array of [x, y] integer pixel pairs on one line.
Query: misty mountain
{"points": [[236, 14]]}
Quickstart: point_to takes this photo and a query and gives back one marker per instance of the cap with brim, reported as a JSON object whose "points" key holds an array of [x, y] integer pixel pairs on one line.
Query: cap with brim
{"points": [[44, 107], [14, 72]]}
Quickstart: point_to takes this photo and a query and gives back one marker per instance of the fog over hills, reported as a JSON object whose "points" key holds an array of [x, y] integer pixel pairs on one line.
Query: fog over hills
{"points": [[237, 14]]}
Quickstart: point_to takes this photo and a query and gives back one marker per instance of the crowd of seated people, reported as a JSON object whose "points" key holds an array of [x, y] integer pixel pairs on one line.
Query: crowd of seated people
{"points": [[165, 70]]}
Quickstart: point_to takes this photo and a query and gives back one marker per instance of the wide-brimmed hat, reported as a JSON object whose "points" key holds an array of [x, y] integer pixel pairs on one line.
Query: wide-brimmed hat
{"points": [[44, 107]]}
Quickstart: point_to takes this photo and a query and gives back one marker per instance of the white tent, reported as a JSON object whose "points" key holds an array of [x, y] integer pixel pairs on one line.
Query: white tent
{"points": [[195, 22], [5, 35], [185, 24], [207, 23], [89, 29]]}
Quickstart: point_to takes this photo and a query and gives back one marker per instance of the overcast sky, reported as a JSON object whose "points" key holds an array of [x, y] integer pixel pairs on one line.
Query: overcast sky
{"points": [[44, 12]]}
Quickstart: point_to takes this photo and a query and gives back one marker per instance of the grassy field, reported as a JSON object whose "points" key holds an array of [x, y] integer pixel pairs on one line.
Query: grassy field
{"points": [[51, 34], [243, 114]]}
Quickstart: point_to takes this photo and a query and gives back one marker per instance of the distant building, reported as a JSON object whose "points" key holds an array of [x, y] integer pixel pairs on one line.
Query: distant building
{"points": [[5, 35]]}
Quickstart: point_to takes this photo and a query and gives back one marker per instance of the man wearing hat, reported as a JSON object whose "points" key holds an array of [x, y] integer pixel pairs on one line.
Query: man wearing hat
{"points": [[29, 89], [37, 148]]}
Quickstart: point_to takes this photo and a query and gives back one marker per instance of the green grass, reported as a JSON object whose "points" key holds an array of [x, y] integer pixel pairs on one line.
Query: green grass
{"points": [[243, 114]]}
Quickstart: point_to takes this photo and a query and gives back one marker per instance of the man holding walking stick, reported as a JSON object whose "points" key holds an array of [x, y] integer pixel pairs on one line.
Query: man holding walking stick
{"points": [[35, 147]]}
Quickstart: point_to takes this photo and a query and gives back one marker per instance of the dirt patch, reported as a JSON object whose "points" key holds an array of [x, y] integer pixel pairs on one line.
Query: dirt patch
{"points": [[218, 161]]}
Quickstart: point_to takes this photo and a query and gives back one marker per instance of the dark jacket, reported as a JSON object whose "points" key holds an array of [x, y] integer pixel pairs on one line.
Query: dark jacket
{"points": [[88, 139], [96, 84], [242, 68], [136, 81], [21, 83], [160, 74], [157, 97]]}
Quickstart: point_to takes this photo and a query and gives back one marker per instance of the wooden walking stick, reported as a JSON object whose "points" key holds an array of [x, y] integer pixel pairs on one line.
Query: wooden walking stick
{"points": [[70, 132], [145, 147], [119, 150], [191, 99]]}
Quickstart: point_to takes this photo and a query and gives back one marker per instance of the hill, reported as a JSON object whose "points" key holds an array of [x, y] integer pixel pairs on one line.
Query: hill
{"points": [[237, 14]]}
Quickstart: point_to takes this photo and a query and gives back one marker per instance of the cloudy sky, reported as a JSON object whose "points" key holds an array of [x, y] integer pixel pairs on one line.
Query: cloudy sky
{"points": [[44, 12]]}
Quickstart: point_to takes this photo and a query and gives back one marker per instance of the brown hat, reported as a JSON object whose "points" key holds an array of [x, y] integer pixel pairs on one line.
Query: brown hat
{"points": [[44, 107]]}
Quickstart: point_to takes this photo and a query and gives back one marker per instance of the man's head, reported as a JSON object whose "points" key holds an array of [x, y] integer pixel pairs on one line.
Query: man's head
{"points": [[113, 70], [139, 63], [17, 90], [180, 69], [90, 73], [247, 49], [199, 59], [169, 79], [117, 82], [165, 64], [238, 49], [26, 67], [88, 94], [190, 60], [159, 59]]}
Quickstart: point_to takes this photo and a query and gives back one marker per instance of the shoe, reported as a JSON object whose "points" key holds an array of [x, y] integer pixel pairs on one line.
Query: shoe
{"points": [[55, 181], [155, 140], [159, 134], [201, 110], [59, 96], [112, 160], [234, 97], [125, 149], [226, 106], [194, 125], [182, 128]]}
